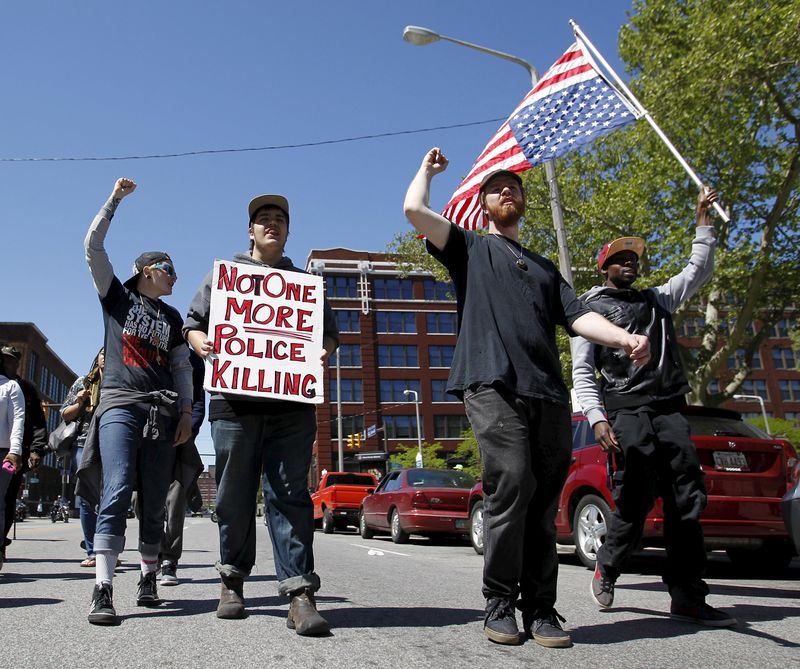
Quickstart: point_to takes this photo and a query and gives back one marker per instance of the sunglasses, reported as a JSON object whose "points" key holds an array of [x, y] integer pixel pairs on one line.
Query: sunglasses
{"points": [[165, 267]]}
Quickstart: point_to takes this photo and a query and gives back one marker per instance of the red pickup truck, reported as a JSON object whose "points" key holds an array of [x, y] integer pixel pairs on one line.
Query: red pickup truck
{"points": [[338, 498]]}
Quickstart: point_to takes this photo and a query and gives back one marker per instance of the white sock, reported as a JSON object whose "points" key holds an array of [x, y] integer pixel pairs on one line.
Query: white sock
{"points": [[106, 561], [149, 563]]}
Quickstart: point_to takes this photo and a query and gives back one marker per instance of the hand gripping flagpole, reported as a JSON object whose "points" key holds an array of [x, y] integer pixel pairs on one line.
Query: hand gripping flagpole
{"points": [[640, 108]]}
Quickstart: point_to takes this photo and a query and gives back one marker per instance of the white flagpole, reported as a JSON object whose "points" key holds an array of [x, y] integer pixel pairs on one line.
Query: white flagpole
{"points": [[632, 98]]}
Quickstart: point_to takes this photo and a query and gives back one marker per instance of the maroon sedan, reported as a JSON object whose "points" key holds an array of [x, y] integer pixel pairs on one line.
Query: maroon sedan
{"points": [[746, 475], [417, 501]]}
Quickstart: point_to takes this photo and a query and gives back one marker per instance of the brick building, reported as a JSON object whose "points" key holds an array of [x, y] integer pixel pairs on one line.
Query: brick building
{"points": [[397, 334], [52, 377]]}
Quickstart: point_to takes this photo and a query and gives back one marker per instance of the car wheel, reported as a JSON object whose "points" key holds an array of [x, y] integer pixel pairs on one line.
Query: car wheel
{"points": [[327, 522], [398, 535], [364, 530], [214, 517], [476, 527], [772, 556], [589, 528]]}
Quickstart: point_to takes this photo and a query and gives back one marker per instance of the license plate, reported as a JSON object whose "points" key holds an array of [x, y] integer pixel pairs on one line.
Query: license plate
{"points": [[730, 461], [460, 523]]}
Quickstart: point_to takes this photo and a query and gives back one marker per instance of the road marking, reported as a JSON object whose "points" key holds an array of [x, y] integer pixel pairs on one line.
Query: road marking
{"points": [[377, 551]]}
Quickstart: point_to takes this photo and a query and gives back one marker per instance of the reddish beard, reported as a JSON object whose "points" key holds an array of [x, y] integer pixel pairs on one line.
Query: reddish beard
{"points": [[506, 214]]}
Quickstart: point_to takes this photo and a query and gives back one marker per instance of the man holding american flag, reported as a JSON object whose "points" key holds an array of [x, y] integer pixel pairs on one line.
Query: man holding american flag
{"points": [[506, 369]]}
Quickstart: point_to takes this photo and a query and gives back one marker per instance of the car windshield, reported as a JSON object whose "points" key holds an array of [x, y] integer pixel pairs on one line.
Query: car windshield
{"points": [[440, 478], [722, 426]]}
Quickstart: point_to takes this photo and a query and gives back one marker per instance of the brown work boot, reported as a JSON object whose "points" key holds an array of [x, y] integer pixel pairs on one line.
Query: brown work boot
{"points": [[231, 600], [304, 617]]}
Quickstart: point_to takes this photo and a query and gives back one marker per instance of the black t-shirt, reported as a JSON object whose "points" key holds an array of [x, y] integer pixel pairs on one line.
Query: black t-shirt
{"points": [[507, 316], [140, 333]]}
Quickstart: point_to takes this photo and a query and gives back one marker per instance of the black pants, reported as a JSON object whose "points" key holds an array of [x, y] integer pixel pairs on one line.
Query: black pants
{"points": [[658, 459], [525, 447]]}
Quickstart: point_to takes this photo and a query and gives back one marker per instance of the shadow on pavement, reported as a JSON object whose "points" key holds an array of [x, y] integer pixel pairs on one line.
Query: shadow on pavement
{"points": [[14, 602], [658, 625]]}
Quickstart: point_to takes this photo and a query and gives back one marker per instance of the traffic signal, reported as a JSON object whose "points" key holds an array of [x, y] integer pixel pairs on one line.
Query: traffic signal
{"points": [[350, 440], [357, 440]]}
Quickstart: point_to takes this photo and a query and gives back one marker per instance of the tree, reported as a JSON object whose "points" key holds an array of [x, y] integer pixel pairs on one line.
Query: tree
{"points": [[723, 81], [470, 454], [407, 456]]}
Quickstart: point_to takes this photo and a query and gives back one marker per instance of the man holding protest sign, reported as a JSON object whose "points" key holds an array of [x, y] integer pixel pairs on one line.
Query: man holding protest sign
{"points": [[265, 329]]}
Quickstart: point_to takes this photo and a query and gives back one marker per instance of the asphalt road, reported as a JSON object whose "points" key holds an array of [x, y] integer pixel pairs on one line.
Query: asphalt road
{"points": [[412, 605]]}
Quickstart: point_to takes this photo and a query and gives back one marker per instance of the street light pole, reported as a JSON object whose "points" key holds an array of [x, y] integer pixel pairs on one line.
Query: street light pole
{"points": [[419, 427], [760, 400], [339, 410], [421, 36]]}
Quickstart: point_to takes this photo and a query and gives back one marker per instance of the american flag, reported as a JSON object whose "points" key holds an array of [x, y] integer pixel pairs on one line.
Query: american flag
{"points": [[571, 105]]}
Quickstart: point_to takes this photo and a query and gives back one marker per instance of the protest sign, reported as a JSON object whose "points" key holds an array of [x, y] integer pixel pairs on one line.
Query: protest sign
{"points": [[266, 326]]}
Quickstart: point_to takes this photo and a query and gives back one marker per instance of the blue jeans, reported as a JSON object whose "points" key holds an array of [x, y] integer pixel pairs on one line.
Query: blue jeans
{"points": [[277, 449], [88, 514], [130, 462], [526, 447]]}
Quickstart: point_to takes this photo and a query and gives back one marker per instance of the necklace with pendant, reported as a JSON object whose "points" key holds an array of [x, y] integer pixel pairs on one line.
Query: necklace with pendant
{"points": [[519, 262], [155, 337]]}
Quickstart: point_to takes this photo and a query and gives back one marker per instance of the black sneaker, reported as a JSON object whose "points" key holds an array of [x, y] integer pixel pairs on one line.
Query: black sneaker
{"points": [[545, 629], [500, 623], [101, 611], [701, 614], [147, 593], [602, 589], [169, 574]]}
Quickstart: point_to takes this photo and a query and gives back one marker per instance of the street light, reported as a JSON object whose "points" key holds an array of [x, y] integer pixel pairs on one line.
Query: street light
{"points": [[419, 430], [760, 400], [420, 37]]}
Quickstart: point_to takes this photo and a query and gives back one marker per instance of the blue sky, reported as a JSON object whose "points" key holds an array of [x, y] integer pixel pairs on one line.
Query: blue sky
{"points": [[100, 79]]}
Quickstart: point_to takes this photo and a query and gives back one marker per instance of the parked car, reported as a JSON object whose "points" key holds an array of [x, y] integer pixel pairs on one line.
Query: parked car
{"points": [[417, 501], [338, 498], [746, 475], [790, 506]]}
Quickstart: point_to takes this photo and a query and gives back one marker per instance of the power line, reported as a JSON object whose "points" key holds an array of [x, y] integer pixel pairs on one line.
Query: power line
{"points": [[275, 147]]}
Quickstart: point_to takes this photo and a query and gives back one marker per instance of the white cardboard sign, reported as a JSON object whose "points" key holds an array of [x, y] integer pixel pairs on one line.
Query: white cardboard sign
{"points": [[266, 325]]}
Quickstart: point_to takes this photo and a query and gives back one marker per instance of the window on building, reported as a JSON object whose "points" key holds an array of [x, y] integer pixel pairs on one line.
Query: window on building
{"points": [[391, 390], [692, 326], [400, 427], [347, 320], [44, 381], [33, 365], [438, 290], [404, 322], [393, 289], [439, 392], [755, 387], [350, 425], [440, 356], [449, 427], [351, 390], [736, 360], [790, 390], [783, 358], [398, 355], [341, 286], [350, 353], [784, 326], [441, 322], [793, 416]]}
